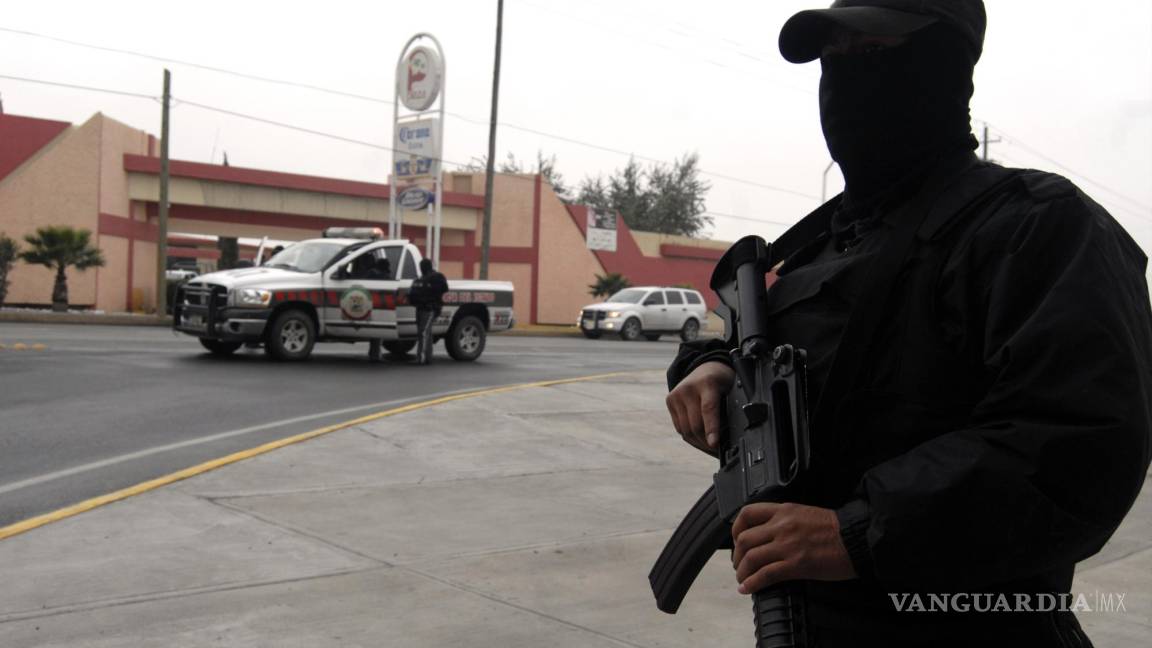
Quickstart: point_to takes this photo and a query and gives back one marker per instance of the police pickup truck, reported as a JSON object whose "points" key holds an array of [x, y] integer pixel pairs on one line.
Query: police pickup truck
{"points": [[349, 286]]}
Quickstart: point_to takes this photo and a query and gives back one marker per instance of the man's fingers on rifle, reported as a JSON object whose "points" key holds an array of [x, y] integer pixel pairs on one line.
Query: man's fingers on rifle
{"points": [[710, 412], [769, 574], [754, 515], [680, 404], [673, 404], [695, 421], [755, 557]]}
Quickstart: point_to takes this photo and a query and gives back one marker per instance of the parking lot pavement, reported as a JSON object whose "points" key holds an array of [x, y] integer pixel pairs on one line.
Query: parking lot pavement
{"points": [[522, 518]]}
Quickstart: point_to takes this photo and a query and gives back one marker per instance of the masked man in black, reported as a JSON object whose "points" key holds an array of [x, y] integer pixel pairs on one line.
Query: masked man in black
{"points": [[427, 295], [996, 429]]}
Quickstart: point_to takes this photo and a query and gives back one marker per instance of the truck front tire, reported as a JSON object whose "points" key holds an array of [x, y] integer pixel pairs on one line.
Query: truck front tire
{"points": [[466, 339], [291, 336], [631, 330]]}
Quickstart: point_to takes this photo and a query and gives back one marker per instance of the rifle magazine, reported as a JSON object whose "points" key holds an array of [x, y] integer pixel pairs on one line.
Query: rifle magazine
{"points": [[698, 536]]}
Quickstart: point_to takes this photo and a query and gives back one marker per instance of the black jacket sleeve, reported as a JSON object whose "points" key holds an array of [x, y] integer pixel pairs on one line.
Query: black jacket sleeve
{"points": [[439, 285], [1053, 299], [695, 353]]}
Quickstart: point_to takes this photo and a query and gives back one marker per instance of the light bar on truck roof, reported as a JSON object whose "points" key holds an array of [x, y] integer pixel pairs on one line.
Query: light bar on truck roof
{"points": [[354, 232]]}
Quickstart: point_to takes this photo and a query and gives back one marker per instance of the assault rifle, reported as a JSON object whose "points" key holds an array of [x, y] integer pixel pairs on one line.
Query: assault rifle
{"points": [[763, 449]]}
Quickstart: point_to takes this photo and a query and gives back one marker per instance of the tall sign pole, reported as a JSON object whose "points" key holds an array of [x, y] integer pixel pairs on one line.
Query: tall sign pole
{"points": [[486, 232], [162, 220], [418, 140]]}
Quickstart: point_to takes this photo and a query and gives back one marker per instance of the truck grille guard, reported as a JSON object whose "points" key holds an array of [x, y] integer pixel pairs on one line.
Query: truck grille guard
{"points": [[200, 298]]}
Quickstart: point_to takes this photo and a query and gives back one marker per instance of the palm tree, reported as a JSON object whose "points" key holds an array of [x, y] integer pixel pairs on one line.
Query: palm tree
{"points": [[61, 247], [9, 252], [608, 284]]}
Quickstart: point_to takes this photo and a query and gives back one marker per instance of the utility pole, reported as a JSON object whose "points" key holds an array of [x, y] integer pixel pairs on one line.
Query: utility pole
{"points": [[486, 232], [162, 233], [824, 183], [987, 142]]}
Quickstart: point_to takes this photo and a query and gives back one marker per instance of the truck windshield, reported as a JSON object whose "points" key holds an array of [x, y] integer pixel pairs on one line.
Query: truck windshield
{"points": [[630, 296], [307, 256]]}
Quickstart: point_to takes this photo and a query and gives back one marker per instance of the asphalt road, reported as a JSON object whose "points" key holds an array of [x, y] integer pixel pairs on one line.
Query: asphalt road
{"points": [[101, 408]]}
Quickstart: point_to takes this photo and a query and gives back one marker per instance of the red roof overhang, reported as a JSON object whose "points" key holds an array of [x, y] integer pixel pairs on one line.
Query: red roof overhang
{"points": [[22, 137]]}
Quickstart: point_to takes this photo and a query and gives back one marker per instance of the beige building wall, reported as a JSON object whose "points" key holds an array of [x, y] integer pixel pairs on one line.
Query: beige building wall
{"points": [[114, 275], [227, 195], [512, 198], [143, 277], [114, 293], [452, 269], [520, 274], [454, 238], [567, 266], [218, 228], [116, 139], [57, 186], [650, 242]]}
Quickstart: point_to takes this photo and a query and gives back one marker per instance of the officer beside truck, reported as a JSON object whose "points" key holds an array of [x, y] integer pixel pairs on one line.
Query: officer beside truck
{"points": [[427, 295]]}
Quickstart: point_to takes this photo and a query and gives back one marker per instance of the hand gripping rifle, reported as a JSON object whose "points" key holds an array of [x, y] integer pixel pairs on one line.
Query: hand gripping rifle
{"points": [[763, 449]]}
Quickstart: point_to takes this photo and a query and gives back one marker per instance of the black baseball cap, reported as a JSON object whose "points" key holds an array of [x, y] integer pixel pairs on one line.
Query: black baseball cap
{"points": [[806, 33]]}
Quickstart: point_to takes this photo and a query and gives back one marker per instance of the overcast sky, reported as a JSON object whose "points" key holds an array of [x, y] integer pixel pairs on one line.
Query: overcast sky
{"points": [[1065, 86]]}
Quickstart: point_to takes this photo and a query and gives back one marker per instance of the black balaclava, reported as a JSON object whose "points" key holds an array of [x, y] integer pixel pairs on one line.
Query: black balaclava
{"points": [[889, 113]]}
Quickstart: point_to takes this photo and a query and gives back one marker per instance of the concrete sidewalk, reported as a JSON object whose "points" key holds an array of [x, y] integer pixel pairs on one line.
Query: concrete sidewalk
{"points": [[525, 518]]}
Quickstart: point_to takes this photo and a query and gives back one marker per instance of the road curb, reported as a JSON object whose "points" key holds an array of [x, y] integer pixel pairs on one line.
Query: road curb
{"points": [[236, 457], [541, 331], [116, 319]]}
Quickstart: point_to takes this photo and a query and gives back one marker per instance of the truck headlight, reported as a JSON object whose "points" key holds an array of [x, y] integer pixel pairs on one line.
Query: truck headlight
{"points": [[251, 297], [613, 314]]}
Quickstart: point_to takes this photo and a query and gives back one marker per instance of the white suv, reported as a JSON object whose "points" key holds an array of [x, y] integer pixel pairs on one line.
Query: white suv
{"points": [[648, 311]]}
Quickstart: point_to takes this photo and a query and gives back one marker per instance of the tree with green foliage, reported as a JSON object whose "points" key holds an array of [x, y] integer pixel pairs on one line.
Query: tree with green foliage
{"points": [[9, 252], [59, 248], [668, 199], [545, 166], [608, 284]]}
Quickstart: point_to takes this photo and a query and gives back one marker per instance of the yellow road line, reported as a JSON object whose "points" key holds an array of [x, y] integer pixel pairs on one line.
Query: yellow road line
{"points": [[199, 469]]}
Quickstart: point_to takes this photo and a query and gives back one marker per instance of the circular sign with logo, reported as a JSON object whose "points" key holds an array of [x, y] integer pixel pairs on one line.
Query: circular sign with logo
{"points": [[356, 303], [415, 198], [420, 75]]}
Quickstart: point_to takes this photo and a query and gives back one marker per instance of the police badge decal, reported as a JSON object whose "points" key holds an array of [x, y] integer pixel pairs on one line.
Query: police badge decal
{"points": [[356, 303]]}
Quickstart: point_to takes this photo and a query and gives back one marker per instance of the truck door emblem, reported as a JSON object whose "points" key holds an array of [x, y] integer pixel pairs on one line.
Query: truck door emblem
{"points": [[356, 303]]}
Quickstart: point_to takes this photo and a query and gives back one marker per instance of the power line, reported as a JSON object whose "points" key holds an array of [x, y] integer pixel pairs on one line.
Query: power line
{"points": [[694, 56], [461, 165], [200, 66], [1115, 207], [752, 219], [350, 140], [639, 157], [380, 100], [73, 86], [361, 97], [1018, 142]]}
